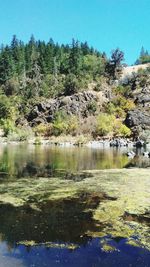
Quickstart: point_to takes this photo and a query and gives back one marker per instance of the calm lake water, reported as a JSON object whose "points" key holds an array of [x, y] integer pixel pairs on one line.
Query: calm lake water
{"points": [[55, 233]]}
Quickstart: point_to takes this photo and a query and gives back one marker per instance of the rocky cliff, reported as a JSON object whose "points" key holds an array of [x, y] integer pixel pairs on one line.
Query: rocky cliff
{"points": [[138, 119], [81, 104]]}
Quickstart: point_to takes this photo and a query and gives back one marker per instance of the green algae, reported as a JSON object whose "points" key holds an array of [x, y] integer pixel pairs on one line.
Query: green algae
{"points": [[48, 245], [115, 192], [131, 188], [106, 246], [35, 191], [133, 242]]}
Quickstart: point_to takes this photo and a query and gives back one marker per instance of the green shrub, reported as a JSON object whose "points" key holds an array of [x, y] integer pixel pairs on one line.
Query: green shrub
{"points": [[24, 133], [108, 124], [104, 124], [62, 124], [92, 107], [81, 139], [14, 133], [44, 130], [59, 127], [71, 84], [93, 65], [121, 129], [72, 125], [8, 126], [122, 90], [52, 87], [5, 107], [119, 106]]}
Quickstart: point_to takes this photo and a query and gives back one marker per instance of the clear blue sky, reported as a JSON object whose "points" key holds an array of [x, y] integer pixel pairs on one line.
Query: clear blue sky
{"points": [[105, 24]]}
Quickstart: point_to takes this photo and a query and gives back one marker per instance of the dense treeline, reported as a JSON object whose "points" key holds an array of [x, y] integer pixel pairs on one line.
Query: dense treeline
{"points": [[46, 69]]}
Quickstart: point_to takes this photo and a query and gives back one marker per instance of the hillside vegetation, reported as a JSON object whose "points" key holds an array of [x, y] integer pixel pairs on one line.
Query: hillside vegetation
{"points": [[50, 89]]}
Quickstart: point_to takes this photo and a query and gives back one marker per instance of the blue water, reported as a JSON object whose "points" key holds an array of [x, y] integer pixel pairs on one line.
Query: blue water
{"points": [[89, 255]]}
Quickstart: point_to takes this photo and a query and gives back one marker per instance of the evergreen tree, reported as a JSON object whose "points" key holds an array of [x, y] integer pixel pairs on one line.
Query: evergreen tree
{"points": [[75, 58], [17, 51], [31, 54], [7, 65], [143, 52], [85, 48]]}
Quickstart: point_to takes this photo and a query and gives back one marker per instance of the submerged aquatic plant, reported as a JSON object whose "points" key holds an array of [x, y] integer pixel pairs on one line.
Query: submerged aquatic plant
{"points": [[114, 203]]}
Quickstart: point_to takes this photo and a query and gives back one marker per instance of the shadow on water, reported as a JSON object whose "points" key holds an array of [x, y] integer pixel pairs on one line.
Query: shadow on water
{"points": [[56, 221], [61, 222]]}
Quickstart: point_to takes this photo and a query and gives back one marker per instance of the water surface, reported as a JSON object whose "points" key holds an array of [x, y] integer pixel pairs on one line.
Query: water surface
{"points": [[54, 214], [22, 159]]}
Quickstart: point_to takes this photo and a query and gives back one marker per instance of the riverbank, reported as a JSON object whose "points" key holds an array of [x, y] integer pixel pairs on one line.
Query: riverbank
{"points": [[80, 140]]}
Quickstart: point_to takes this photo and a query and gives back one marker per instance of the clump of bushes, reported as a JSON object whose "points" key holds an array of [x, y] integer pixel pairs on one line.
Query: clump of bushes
{"points": [[44, 130], [73, 125], [88, 126], [71, 84], [121, 129], [14, 133], [8, 126], [62, 124], [110, 125], [104, 124], [119, 106]]}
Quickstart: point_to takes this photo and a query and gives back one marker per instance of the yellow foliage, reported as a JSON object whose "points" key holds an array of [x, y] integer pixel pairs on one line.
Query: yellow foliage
{"points": [[104, 124], [73, 125], [108, 124], [43, 129], [121, 129]]}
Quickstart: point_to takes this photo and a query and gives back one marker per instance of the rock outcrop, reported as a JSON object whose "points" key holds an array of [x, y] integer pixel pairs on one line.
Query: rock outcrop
{"points": [[90, 102], [81, 104], [138, 118]]}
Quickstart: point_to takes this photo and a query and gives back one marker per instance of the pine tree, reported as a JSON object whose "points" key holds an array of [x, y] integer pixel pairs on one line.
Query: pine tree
{"points": [[142, 53], [17, 51], [75, 58], [7, 66], [85, 48], [31, 54]]}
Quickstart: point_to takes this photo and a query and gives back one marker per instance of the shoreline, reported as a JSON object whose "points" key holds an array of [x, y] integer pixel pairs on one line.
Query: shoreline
{"points": [[79, 141]]}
